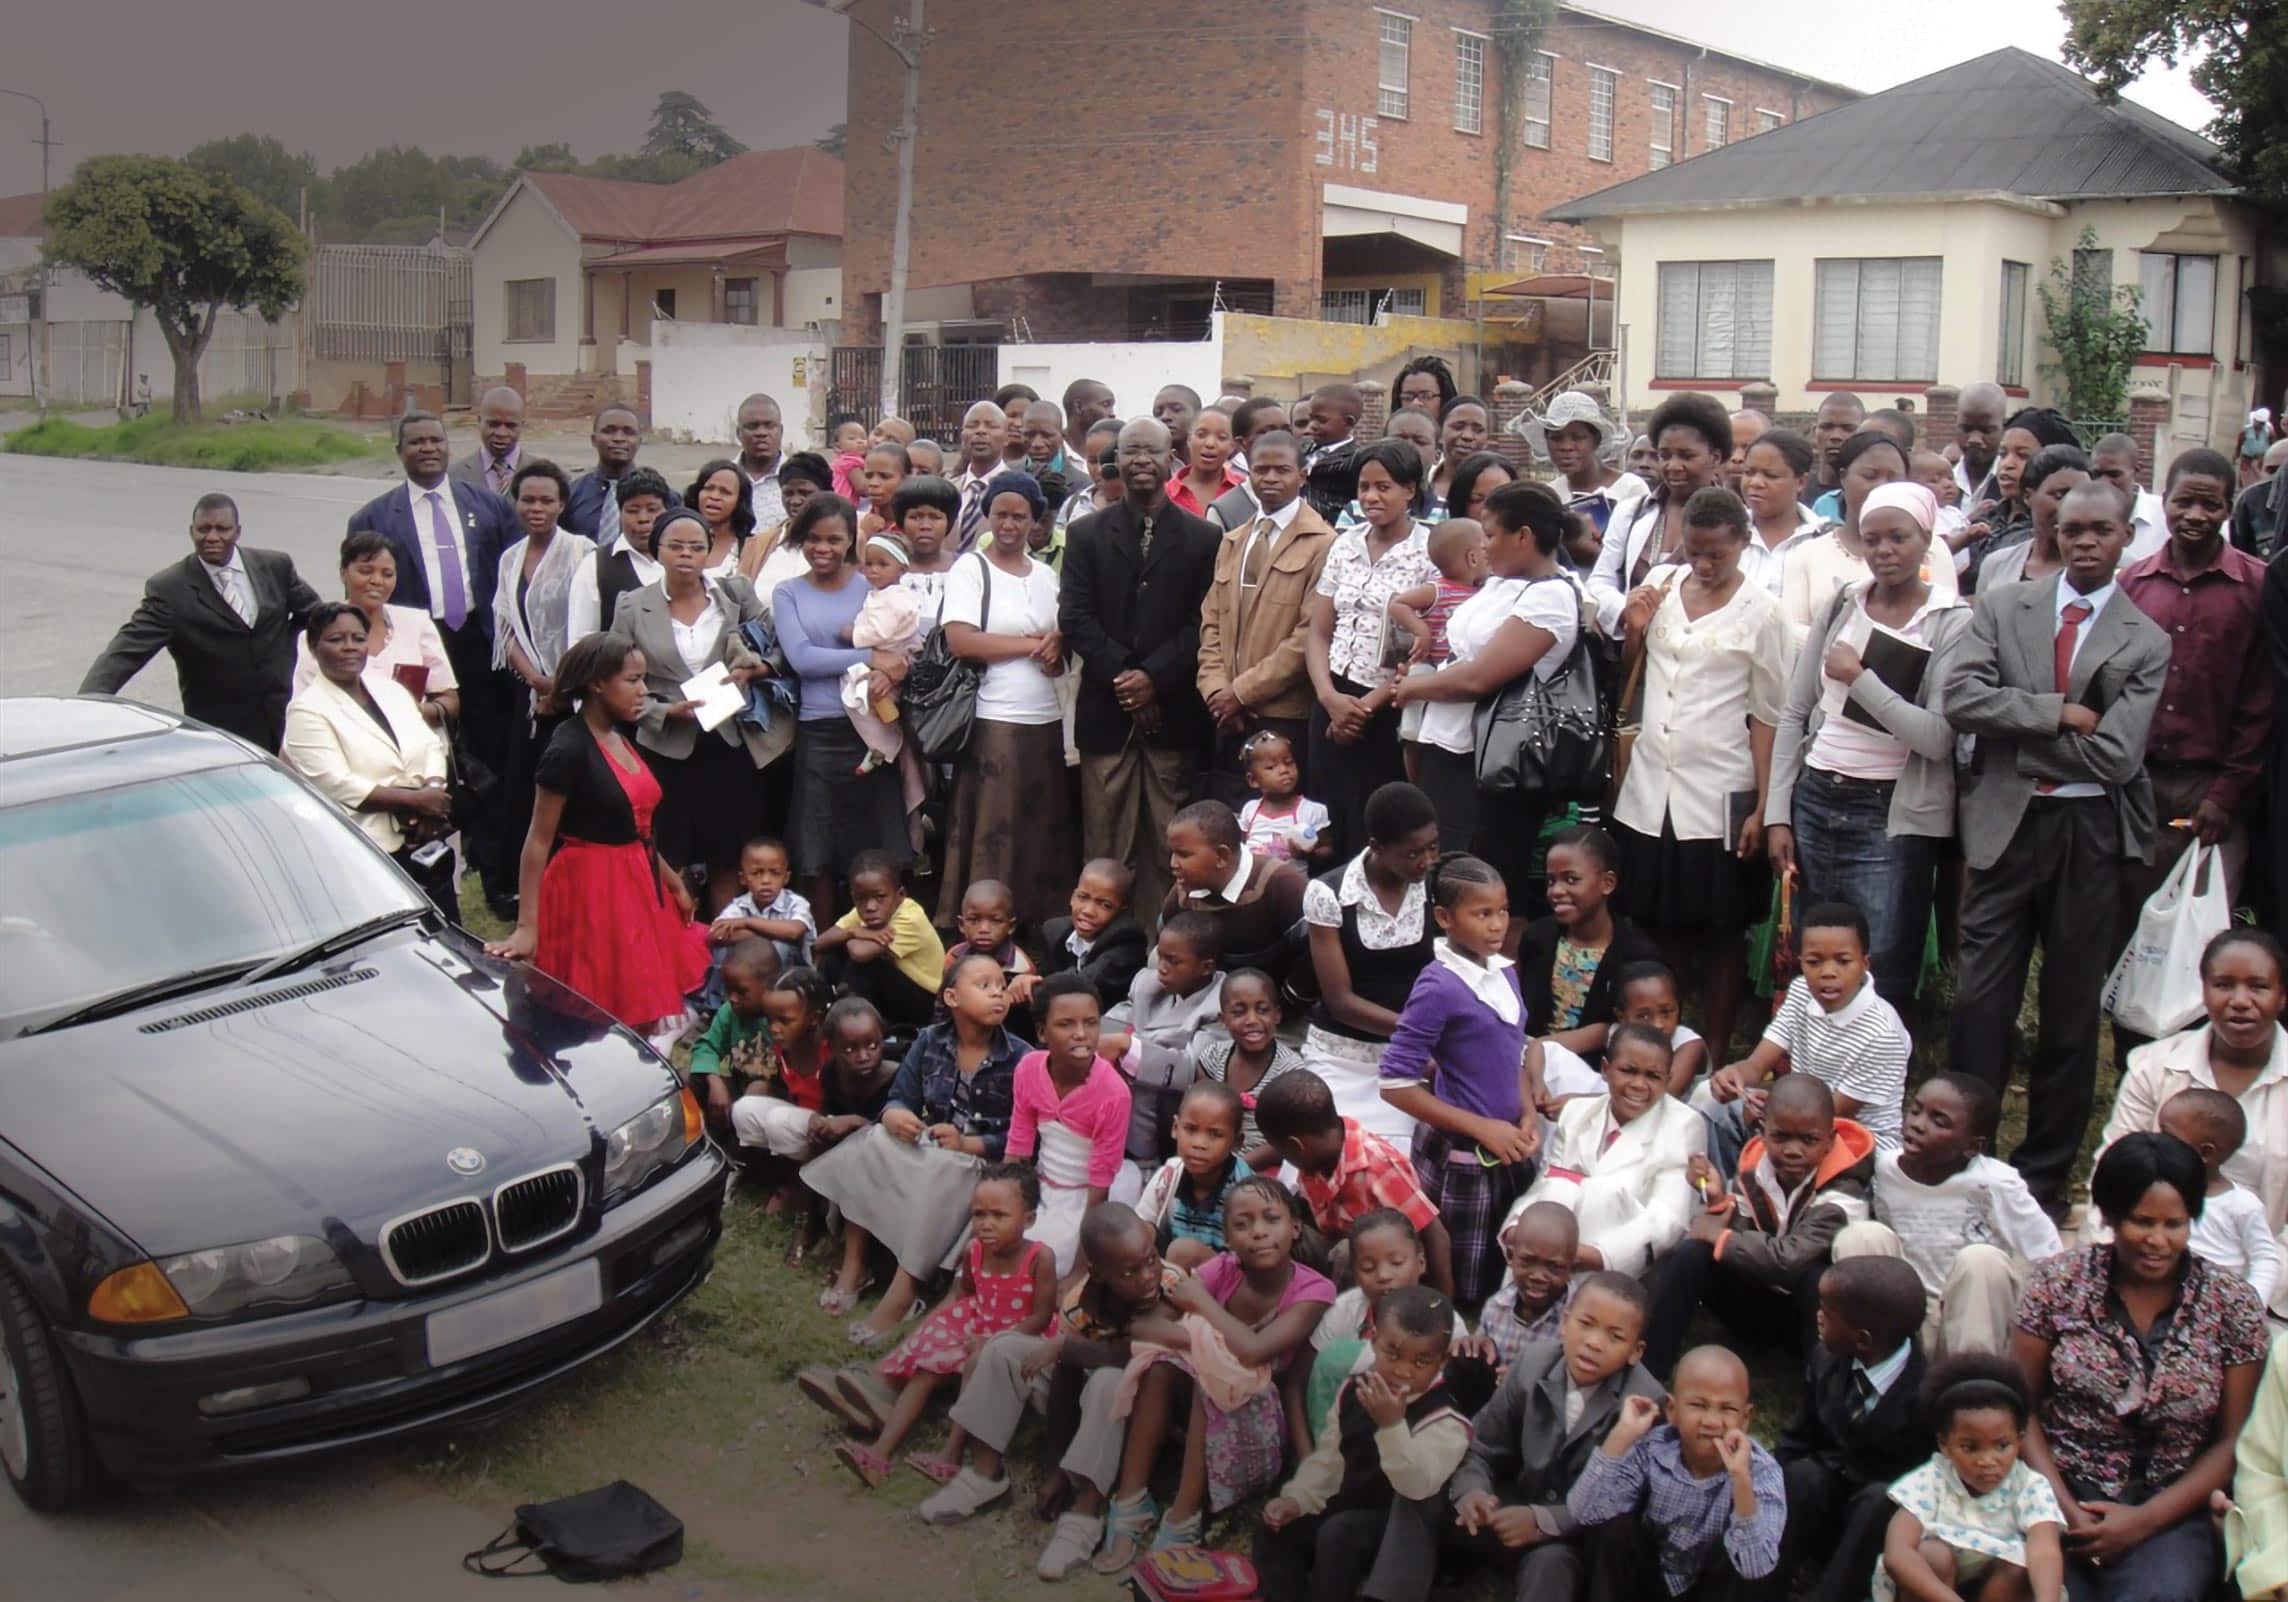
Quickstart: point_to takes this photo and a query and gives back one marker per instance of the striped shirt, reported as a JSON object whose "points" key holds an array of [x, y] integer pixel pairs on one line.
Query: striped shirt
{"points": [[1450, 595], [1860, 1050], [1692, 1517]]}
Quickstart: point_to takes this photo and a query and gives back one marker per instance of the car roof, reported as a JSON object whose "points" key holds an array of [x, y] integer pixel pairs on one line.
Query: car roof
{"points": [[55, 745]]}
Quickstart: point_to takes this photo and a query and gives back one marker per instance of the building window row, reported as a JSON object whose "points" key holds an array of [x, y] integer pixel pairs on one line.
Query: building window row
{"points": [[1469, 82], [1397, 36], [1365, 305]]}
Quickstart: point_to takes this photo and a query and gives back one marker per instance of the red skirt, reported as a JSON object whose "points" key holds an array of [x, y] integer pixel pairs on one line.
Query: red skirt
{"points": [[607, 931]]}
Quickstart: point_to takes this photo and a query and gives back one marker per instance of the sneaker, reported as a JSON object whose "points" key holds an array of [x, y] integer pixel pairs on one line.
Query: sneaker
{"points": [[965, 1495], [1071, 1544]]}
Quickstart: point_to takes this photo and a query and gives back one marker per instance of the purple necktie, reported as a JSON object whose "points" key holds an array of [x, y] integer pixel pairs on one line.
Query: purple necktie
{"points": [[456, 593]]}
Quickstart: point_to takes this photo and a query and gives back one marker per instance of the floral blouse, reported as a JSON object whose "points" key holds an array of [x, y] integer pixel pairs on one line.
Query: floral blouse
{"points": [[2125, 1416], [1361, 588]]}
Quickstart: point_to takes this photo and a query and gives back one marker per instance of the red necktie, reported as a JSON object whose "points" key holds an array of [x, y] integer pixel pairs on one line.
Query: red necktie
{"points": [[2069, 630], [1611, 1135]]}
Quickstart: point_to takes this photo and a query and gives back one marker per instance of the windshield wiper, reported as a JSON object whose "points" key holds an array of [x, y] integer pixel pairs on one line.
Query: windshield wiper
{"points": [[143, 995], [339, 941]]}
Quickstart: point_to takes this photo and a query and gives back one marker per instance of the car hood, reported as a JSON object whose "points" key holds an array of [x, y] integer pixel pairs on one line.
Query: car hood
{"points": [[323, 1099]]}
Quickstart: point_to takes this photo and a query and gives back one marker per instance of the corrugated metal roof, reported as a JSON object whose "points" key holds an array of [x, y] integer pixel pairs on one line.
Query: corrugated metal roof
{"points": [[796, 191], [2007, 122]]}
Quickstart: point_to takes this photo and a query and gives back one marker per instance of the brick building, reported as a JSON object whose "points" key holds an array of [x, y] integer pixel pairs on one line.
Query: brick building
{"points": [[1086, 171]]}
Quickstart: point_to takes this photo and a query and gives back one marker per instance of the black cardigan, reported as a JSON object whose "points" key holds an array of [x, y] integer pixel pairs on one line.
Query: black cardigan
{"points": [[1537, 967]]}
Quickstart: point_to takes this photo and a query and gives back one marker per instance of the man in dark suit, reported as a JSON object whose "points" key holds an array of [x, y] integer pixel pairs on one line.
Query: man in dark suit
{"points": [[2058, 679], [228, 615], [500, 443], [1129, 606], [594, 509], [448, 537]]}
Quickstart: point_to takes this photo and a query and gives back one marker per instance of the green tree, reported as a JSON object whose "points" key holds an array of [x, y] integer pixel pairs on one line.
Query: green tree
{"points": [[181, 241], [264, 168], [834, 141], [2239, 52], [555, 156], [681, 125], [1518, 27], [2097, 332], [396, 195]]}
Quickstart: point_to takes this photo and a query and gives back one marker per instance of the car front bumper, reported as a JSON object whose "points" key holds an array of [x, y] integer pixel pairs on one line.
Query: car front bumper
{"points": [[367, 1362]]}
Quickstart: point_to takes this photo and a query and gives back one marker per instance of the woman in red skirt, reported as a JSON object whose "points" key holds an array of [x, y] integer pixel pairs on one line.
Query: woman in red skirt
{"points": [[601, 912]]}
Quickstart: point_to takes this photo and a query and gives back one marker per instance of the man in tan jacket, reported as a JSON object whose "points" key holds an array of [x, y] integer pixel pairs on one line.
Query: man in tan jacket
{"points": [[1251, 625]]}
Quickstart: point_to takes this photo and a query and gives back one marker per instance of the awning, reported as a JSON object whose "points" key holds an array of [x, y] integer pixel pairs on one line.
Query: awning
{"points": [[1557, 286], [764, 253], [1349, 212]]}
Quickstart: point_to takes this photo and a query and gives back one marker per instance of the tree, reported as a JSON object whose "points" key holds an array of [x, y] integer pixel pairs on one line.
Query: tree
{"points": [[834, 141], [263, 167], [2097, 332], [555, 156], [395, 194], [180, 241], [2239, 51], [681, 125], [1518, 27]]}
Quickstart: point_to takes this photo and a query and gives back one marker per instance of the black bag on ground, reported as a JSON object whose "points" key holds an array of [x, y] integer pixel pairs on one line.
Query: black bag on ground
{"points": [[604, 1534]]}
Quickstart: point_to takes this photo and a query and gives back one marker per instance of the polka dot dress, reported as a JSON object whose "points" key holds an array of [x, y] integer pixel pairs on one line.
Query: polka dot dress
{"points": [[995, 1302]]}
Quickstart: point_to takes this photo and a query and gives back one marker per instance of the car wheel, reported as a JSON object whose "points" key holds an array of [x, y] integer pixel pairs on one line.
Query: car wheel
{"points": [[43, 1440]]}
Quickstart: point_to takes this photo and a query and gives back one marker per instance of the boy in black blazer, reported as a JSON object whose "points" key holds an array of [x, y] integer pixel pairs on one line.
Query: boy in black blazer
{"points": [[1860, 1425], [1100, 940]]}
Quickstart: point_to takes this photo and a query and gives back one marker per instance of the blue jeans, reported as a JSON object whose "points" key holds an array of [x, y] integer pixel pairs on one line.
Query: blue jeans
{"points": [[1844, 851]]}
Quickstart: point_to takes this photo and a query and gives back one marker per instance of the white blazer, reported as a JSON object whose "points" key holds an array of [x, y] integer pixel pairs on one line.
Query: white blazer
{"points": [[335, 744], [1632, 1199]]}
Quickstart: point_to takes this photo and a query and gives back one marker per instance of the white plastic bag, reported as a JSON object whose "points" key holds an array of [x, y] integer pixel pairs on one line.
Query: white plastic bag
{"points": [[2156, 987]]}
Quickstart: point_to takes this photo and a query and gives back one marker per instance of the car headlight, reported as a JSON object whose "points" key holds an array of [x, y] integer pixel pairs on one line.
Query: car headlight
{"points": [[283, 1271], [652, 1140]]}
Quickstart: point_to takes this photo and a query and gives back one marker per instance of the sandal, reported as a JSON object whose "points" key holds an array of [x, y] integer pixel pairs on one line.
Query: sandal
{"points": [[838, 1301], [1180, 1532], [865, 1336], [936, 1470], [866, 1395], [870, 1466], [1127, 1522], [818, 1385], [797, 1250]]}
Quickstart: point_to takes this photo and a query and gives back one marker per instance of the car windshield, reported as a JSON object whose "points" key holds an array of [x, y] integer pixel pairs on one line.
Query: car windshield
{"points": [[132, 886]]}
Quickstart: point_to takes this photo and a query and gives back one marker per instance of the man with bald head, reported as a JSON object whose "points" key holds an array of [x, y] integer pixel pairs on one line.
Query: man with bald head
{"points": [[1088, 401], [1978, 415], [500, 447], [1747, 428], [762, 447], [984, 443], [1135, 575]]}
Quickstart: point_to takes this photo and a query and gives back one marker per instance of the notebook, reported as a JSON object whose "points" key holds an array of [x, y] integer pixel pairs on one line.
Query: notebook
{"points": [[1896, 660]]}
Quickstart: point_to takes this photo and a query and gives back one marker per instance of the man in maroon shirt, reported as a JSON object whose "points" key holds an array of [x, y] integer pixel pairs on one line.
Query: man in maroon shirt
{"points": [[2205, 752]]}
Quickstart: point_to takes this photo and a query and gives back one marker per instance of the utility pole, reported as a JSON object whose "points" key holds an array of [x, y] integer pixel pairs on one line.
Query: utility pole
{"points": [[40, 342]]}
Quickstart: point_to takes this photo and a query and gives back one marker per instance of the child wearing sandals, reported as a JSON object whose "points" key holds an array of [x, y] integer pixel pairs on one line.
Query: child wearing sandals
{"points": [[1976, 1521], [1005, 1283]]}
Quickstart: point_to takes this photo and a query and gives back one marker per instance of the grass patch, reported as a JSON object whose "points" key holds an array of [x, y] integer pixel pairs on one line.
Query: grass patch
{"points": [[276, 446]]}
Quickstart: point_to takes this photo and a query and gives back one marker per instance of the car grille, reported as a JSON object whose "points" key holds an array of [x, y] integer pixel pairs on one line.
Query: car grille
{"points": [[536, 1209], [436, 1244]]}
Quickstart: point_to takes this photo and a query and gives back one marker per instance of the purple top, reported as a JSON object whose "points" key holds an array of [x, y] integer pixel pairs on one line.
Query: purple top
{"points": [[1221, 1275], [810, 622], [1477, 1056]]}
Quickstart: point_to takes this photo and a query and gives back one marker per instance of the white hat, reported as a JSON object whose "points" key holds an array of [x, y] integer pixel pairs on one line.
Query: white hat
{"points": [[1573, 406]]}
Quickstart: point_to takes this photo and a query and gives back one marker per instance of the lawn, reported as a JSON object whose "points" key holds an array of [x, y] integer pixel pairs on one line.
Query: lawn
{"points": [[277, 445]]}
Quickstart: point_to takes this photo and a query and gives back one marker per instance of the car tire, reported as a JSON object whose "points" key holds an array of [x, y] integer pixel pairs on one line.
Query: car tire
{"points": [[43, 1439]]}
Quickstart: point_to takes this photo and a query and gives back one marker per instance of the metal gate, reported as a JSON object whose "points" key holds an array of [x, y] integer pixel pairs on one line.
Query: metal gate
{"points": [[939, 384], [395, 303]]}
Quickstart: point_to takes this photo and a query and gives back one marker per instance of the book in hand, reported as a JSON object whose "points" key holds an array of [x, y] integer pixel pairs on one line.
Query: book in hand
{"points": [[414, 676], [1739, 807], [1896, 660]]}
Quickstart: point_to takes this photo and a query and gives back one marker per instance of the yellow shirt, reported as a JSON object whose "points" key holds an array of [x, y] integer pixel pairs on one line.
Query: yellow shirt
{"points": [[914, 945]]}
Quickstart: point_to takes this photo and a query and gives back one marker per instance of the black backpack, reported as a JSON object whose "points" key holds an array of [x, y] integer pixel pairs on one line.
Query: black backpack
{"points": [[603, 1534]]}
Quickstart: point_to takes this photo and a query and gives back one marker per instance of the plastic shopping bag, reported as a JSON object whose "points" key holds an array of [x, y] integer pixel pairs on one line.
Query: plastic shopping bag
{"points": [[2156, 987]]}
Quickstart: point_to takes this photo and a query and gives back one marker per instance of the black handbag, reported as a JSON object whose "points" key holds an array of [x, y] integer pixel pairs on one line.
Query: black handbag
{"points": [[1550, 736], [603, 1534], [939, 702]]}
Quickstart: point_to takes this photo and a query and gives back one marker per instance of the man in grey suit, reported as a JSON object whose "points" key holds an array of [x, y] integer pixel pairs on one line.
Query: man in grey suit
{"points": [[500, 448], [2057, 679]]}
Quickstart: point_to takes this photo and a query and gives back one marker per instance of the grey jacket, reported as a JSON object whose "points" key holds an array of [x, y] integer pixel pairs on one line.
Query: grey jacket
{"points": [[1166, 1029], [1520, 1449], [1922, 803], [1998, 689], [470, 470], [642, 618]]}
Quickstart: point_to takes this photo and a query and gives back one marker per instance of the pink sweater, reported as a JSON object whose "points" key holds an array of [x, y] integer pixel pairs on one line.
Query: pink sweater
{"points": [[1097, 1112]]}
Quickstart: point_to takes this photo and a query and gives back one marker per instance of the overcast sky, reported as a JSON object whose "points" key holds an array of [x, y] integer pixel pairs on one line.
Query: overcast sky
{"points": [[492, 79]]}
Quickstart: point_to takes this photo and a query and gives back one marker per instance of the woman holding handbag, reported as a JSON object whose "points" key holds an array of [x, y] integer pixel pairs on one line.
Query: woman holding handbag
{"points": [[1523, 619]]}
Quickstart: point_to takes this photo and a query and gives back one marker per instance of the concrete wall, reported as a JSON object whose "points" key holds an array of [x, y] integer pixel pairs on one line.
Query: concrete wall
{"points": [[1288, 357], [700, 372], [1136, 372], [526, 241]]}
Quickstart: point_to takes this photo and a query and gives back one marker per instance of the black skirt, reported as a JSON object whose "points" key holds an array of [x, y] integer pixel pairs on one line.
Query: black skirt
{"points": [[839, 812], [1667, 883], [1347, 774], [710, 804]]}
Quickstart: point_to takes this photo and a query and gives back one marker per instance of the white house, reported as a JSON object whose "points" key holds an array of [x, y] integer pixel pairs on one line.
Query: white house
{"points": [[1896, 241]]}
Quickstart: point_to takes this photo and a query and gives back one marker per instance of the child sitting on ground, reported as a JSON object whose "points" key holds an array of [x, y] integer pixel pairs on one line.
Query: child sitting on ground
{"points": [[1754, 1253], [889, 619], [1385, 1255], [1694, 1506], [1645, 992], [1072, 1106], [988, 924], [735, 1046], [1280, 822], [1458, 552], [2230, 1233], [1977, 1519], [1831, 1024], [777, 1110], [766, 907], [1393, 1433], [1255, 900], [1183, 1202], [1247, 1315], [1252, 1057], [1006, 1282], [1346, 1171], [1964, 1220], [883, 948], [1619, 1160], [1462, 1030], [1538, 1247], [1151, 1035], [1859, 1425], [1570, 963], [858, 1073], [1098, 938]]}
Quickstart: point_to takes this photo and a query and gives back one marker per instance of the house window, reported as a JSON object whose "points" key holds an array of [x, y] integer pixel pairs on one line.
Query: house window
{"points": [[1397, 35], [1663, 125], [1603, 83], [739, 300], [531, 310], [1469, 82], [1540, 73], [2179, 302], [1715, 320], [1364, 305], [2010, 344], [1767, 119], [1522, 253], [1875, 319], [663, 304], [1719, 128]]}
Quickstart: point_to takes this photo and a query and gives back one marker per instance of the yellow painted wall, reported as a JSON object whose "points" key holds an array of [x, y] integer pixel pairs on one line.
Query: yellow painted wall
{"points": [[1286, 355]]}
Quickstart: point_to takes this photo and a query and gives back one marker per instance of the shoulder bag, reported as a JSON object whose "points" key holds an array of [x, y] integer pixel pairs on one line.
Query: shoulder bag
{"points": [[939, 701], [1547, 736], [602, 1534]]}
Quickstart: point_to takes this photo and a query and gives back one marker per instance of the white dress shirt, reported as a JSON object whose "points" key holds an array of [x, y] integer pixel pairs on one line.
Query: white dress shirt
{"points": [[236, 588], [1488, 979], [581, 610], [2148, 527], [1281, 521], [425, 541], [1767, 564], [2080, 790]]}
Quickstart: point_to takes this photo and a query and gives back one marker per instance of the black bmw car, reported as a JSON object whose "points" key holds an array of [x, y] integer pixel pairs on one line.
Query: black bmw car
{"points": [[286, 1163]]}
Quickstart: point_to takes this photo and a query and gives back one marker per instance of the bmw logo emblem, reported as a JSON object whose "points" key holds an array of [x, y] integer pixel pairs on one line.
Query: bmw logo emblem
{"points": [[465, 1161]]}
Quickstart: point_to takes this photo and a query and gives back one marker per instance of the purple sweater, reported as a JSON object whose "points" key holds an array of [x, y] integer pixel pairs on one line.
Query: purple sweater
{"points": [[1477, 1056]]}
